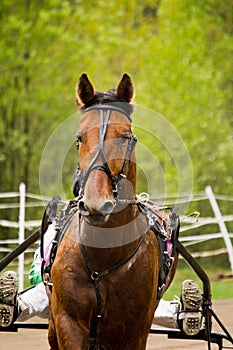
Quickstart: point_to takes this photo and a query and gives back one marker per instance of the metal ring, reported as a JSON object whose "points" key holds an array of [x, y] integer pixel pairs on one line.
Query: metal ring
{"points": [[95, 276]]}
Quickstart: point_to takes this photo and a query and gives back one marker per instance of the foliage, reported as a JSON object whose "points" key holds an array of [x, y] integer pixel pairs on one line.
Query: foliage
{"points": [[179, 54]]}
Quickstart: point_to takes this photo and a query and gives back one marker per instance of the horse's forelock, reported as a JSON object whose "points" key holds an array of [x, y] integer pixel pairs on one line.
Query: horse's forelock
{"points": [[109, 97]]}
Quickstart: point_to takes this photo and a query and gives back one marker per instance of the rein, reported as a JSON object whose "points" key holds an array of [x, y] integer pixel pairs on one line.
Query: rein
{"points": [[81, 178]]}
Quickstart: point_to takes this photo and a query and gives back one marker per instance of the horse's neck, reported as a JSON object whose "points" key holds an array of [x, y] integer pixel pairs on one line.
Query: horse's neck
{"points": [[109, 244]]}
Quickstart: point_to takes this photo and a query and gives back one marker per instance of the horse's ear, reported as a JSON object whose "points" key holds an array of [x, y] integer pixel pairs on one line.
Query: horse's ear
{"points": [[84, 91], [125, 89]]}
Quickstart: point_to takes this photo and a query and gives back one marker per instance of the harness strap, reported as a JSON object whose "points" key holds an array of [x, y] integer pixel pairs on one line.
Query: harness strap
{"points": [[165, 237], [109, 106], [72, 208], [95, 276], [48, 217]]}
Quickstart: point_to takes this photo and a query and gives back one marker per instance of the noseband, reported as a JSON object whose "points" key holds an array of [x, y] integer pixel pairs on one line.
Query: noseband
{"points": [[81, 178]]}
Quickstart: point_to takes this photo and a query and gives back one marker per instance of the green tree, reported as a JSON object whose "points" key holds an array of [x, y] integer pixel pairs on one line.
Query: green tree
{"points": [[179, 54]]}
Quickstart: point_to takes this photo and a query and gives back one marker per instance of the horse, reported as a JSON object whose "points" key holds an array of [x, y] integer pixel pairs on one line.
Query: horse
{"points": [[106, 275]]}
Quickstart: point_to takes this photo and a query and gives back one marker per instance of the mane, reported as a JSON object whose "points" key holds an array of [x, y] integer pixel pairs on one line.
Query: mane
{"points": [[109, 97]]}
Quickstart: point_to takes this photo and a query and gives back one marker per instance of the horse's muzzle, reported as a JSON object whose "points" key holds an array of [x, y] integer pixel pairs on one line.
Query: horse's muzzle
{"points": [[96, 213]]}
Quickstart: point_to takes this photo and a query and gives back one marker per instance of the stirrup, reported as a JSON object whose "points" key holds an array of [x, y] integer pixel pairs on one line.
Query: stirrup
{"points": [[190, 317], [8, 295]]}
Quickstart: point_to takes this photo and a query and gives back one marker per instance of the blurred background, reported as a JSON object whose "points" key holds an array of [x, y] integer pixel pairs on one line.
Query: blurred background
{"points": [[180, 57]]}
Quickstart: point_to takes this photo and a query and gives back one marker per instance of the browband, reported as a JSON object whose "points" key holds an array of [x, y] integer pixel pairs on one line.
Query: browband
{"points": [[108, 107]]}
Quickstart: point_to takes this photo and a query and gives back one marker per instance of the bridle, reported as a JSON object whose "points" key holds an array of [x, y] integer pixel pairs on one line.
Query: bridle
{"points": [[82, 177]]}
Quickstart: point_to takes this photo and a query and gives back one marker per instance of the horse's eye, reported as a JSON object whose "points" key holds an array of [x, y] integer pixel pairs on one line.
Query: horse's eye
{"points": [[78, 140], [123, 140]]}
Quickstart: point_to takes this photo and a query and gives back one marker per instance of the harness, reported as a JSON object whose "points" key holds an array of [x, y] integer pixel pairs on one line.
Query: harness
{"points": [[165, 232]]}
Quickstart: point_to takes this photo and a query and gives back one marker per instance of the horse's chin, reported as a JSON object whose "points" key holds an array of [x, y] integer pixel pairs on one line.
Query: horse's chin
{"points": [[97, 220]]}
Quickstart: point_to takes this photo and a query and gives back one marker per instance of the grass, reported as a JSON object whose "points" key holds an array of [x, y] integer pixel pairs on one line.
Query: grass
{"points": [[221, 288]]}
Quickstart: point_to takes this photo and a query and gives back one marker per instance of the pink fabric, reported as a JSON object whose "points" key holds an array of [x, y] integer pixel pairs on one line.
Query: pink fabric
{"points": [[169, 247]]}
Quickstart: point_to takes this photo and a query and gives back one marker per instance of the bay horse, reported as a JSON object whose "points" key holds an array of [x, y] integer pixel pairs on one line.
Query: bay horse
{"points": [[107, 268]]}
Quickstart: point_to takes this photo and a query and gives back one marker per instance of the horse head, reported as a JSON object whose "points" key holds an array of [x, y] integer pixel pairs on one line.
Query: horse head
{"points": [[106, 170]]}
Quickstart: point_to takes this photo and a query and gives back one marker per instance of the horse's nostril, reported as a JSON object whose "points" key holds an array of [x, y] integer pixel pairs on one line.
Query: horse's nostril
{"points": [[83, 209], [107, 208], [87, 209]]}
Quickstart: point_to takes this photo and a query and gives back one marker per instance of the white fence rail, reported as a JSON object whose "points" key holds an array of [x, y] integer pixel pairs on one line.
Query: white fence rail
{"points": [[188, 224], [21, 225]]}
